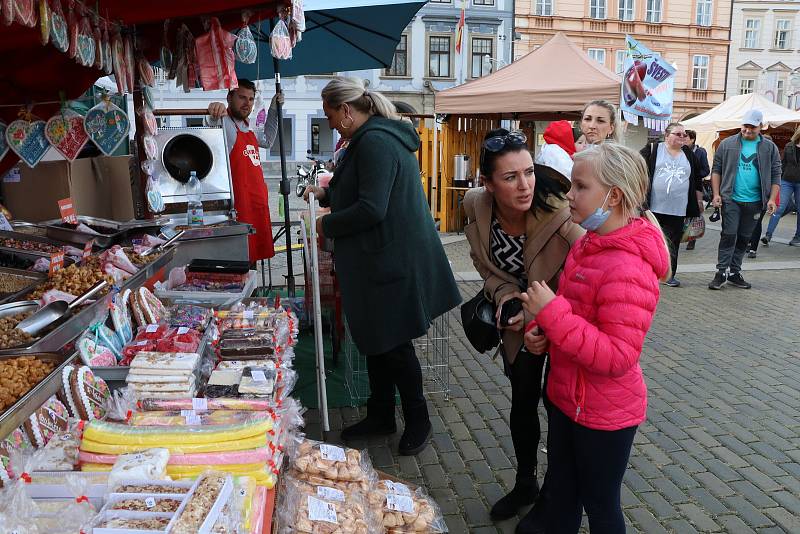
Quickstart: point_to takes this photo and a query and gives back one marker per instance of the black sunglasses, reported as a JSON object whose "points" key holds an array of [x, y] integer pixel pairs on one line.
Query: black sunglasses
{"points": [[499, 142]]}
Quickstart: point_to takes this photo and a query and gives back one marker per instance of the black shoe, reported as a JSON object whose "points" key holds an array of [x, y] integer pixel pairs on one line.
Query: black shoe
{"points": [[718, 281], [673, 282], [736, 280], [370, 426], [415, 438], [690, 245], [752, 254], [523, 494], [766, 239], [535, 520]]}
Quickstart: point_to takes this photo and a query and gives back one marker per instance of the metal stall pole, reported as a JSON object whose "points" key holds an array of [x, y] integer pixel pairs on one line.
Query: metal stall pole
{"points": [[322, 389]]}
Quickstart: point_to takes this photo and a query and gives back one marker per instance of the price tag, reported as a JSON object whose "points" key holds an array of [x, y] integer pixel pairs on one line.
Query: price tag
{"points": [[321, 511], [200, 404], [140, 344], [151, 328], [330, 494], [193, 419], [182, 330], [187, 413], [4, 224], [248, 314], [56, 263], [150, 502], [67, 209], [13, 176], [399, 503], [332, 453], [258, 376], [87, 250], [397, 488]]}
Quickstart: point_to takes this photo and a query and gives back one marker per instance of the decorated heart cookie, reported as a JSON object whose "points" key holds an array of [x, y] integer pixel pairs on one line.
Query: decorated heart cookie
{"points": [[3, 142], [90, 393], [67, 134], [59, 34], [65, 394], [45, 422], [94, 355], [86, 45], [107, 126], [27, 140], [246, 49], [25, 12]]}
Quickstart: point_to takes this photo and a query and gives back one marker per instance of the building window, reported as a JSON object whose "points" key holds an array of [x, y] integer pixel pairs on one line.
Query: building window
{"points": [[703, 13], [700, 73], [597, 9], [752, 33], [544, 8], [598, 54], [441, 1], [746, 86], [439, 57], [315, 138], [619, 61], [653, 11], [481, 49], [482, 2], [400, 60], [626, 9], [782, 31], [779, 91]]}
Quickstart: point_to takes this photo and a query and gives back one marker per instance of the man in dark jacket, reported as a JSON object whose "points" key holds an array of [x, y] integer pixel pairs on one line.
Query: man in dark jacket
{"points": [[701, 156], [745, 179]]}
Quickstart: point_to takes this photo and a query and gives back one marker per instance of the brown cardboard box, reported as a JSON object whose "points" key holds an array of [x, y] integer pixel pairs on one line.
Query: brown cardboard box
{"points": [[99, 187]]}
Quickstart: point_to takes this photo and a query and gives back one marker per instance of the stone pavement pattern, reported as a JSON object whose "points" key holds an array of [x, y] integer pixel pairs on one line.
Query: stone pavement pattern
{"points": [[720, 451]]}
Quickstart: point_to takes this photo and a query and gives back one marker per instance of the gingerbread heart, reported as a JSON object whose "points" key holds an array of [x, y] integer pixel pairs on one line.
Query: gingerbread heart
{"points": [[59, 35], [90, 394], [27, 140], [3, 142], [26, 12], [67, 134], [86, 49], [107, 126]]}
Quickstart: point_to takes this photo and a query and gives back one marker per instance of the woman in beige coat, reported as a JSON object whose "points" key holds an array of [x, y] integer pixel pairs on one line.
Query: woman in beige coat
{"points": [[519, 231]]}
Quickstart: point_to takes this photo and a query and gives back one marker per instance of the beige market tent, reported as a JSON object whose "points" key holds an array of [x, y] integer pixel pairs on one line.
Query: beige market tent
{"points": [[557, 78]]}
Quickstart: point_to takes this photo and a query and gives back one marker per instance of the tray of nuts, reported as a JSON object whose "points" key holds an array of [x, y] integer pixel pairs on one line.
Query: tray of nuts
{"points": [[10, 315], [32, 244], [15, 283], [26, 382]]}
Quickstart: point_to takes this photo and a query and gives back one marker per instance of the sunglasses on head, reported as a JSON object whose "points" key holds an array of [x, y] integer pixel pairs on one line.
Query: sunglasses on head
{"points": [[499, 142]]}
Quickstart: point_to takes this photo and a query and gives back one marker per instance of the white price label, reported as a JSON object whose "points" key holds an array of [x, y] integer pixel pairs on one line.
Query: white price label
{"points": [[193, 419], [397, 488], [248, 314], [400, 503], [332, 453], [140, 343], [330, 494], [151, 328], [150, 502], [321, 511], [199, 404], [182, 330], [187, 413], [139, 457], [258, 376], [4, 224]]}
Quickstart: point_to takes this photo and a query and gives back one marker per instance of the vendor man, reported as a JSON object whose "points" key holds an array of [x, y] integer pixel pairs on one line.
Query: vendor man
{"points": [[251, 198]]}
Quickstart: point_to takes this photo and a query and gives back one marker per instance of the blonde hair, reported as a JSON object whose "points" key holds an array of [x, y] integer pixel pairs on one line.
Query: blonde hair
{"points": [[796, 135], [353, 91], [616, 133], [618, 166]]}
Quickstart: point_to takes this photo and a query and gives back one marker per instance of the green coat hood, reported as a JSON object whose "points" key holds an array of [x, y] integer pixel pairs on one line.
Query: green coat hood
{"points": [[402, 130]]}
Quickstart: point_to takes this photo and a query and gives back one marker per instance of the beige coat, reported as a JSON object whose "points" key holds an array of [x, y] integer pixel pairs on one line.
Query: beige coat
{"points": [[544, 253]]}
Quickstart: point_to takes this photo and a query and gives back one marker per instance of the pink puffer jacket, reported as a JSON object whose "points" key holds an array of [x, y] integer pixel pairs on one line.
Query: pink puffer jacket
{"points": [[596, 325]]}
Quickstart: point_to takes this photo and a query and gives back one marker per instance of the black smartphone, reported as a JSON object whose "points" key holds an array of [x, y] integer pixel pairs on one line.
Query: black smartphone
{"points": [[511, 308]]}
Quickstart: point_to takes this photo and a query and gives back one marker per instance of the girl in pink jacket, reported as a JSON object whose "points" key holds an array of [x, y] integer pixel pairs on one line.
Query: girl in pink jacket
{"points": [[594, 329]]}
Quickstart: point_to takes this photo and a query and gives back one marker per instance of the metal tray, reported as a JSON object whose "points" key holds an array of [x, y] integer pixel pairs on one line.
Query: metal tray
{"points": [[32, 400], [75, 325], [35, 280], [57, 230], [22, 306], [19, 236]]}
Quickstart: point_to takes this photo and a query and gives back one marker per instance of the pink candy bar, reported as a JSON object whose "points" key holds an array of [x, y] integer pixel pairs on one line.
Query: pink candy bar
{"points": [[253, 456]]}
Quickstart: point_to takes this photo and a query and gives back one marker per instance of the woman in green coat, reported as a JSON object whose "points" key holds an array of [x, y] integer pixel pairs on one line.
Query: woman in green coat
{"points": [[394, 275]]}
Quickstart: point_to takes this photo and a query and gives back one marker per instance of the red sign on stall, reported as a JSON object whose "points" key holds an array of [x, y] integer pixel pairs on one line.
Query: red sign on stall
{"points": [[67, 209], [56, 262], [87, 250]]}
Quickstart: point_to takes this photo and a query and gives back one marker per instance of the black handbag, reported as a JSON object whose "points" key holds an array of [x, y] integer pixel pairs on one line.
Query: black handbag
{"points": [[477, 318]]}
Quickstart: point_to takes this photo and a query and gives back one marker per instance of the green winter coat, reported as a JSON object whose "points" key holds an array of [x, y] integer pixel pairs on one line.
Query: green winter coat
{"points": [[393, 273]]}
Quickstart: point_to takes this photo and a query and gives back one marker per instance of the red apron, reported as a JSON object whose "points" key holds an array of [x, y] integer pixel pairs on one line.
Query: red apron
{"points": [[251, 198]]}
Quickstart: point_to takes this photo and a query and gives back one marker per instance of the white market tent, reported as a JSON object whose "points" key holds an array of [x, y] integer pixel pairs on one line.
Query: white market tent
{"points": [[728, 116]]}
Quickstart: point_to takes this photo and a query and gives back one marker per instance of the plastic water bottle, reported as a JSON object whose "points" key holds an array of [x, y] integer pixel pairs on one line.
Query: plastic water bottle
{"points": [[194, 201]]}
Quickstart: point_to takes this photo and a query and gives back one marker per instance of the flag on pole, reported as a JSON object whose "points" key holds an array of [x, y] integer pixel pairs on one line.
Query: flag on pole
{"points": [[460, 28]]}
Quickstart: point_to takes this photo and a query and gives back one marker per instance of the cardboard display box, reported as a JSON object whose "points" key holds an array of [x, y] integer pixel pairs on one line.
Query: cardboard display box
{"points": [[99, 187]]}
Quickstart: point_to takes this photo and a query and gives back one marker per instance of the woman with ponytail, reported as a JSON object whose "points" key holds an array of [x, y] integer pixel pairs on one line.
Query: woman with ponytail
{"points": [[595, 328], [393, 273]]}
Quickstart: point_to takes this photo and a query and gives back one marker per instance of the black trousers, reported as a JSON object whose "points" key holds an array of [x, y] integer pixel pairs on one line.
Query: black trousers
{"points": [[755, 237], [526, 390], [397, 368], [672, 226], [585, 471]]}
